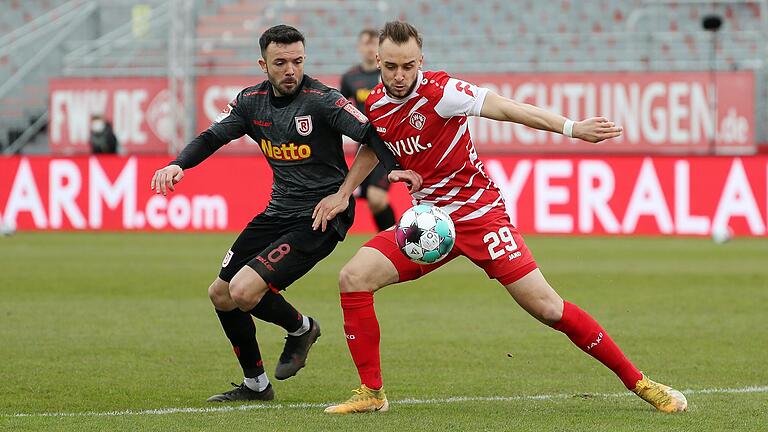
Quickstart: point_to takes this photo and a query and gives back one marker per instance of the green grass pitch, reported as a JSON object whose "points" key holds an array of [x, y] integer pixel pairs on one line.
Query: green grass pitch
{"points": [[99, 330]]}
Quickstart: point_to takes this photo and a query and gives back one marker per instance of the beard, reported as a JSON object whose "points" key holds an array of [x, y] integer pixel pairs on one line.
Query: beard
{"points": [[393, 92], [285, 87]]}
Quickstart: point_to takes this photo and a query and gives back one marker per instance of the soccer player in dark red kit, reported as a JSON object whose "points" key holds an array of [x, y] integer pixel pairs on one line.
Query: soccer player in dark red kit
{"points": [[356, 85], [422, 117]]}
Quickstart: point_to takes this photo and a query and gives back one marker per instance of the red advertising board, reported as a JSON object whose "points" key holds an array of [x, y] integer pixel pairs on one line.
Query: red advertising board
{"points": [[138, 108], [670, 113], [661, 112], [544, 194]]}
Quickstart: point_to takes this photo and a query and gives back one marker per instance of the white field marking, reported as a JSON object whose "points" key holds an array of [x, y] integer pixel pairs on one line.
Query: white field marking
{"points": [[409, 401]]}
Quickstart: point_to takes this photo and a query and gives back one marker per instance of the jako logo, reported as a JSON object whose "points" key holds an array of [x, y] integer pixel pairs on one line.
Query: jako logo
{"points": [[350, 337], [596, 342], [289, 151]]}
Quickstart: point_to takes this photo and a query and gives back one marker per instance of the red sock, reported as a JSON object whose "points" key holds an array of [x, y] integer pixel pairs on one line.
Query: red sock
{"points": [[587, 334], [362, 332]]}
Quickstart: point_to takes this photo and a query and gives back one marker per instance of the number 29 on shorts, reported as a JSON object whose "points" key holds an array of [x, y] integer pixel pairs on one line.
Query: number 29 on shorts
{"points": [[499, 242]]}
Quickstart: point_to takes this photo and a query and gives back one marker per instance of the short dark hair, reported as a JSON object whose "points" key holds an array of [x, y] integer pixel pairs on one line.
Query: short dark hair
{"points": [[279, 34], [370, 32], [399, 32]]}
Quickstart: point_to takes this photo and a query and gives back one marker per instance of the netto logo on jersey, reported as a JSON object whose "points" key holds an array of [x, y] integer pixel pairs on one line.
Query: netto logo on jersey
{"points": [[287, 152]]}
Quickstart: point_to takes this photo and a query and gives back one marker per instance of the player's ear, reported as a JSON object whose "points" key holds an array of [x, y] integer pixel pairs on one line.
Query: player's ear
{"points": [[378, 61], [263, 64], [421, 61]]}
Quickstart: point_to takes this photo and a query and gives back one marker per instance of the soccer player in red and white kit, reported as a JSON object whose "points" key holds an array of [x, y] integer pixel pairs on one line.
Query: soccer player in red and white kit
{"points": [[422, 117]]}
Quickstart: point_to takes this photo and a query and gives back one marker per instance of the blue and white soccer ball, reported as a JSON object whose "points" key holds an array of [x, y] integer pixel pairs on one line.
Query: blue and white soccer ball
{"points": [[425, 234], [7, 227]]}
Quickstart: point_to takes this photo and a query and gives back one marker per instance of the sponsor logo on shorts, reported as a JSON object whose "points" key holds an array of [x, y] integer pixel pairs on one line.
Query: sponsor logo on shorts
{"points": [[380, 129], [266, 263], [227, 258], [517, 254]]}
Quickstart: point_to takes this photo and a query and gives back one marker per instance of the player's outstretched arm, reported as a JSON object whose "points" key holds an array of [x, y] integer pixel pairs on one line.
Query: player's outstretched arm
{"points": [[228, 126], [593, 130], [195, 152], [365, 161]]}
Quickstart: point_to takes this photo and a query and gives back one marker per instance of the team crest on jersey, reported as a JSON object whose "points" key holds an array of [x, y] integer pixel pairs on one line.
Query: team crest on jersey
{"points": [[304, 125], [227, 258], [417, 120]]}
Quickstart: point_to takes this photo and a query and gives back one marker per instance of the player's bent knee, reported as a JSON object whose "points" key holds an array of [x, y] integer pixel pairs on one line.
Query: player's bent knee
{"points": [[352, 279], [247, 288], [218, 292], [377, 199], [244, 297], [551, 313], [377, 205]]}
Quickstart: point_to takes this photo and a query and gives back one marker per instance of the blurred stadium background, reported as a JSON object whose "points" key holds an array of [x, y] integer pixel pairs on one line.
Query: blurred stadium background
{"points": [[161, 71], [184, 40], [97, 327]]}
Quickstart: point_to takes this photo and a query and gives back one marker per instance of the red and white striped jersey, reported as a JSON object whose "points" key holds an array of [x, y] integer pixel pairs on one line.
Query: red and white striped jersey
{"points": [[427, 132]]}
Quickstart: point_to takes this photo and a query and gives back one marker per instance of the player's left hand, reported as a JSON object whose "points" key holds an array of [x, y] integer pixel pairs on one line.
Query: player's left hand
{"points": [[327, 209], [410, 177], [596, 129]]}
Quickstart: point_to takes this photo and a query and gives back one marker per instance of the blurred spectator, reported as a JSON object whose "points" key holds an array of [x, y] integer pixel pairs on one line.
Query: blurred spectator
{"points": [[356, 85], [103, 139]]}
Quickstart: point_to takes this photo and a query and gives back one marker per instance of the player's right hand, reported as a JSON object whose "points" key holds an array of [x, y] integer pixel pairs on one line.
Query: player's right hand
{"points": [[165, 178], [410, 177], [328, 208]]}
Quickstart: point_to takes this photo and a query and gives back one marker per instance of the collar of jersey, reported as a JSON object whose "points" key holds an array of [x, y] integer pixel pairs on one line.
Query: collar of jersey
{"points": [[284, 101], [414, 93]]}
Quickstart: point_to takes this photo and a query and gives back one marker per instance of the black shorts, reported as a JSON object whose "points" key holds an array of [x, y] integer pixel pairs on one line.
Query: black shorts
{"points": [[377, 178], [280, 250]]}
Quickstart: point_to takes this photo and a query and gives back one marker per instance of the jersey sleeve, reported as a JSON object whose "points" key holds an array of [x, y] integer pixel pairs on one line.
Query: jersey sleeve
{"points": [[343, 117], [460, 98], [231, 123], [228, 125]]}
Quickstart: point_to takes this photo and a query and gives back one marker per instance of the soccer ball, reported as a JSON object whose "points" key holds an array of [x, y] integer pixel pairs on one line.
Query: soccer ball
{"points": [[425, 234], [7, 228], [722, 234]]}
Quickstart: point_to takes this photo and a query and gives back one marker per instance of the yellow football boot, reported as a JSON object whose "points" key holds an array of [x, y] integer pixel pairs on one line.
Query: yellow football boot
{"points": [[363, 400], [664, 398]]}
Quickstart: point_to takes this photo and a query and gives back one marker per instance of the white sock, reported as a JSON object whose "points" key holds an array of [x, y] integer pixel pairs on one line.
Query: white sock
{"points": [[304, 327], [257, 384]]}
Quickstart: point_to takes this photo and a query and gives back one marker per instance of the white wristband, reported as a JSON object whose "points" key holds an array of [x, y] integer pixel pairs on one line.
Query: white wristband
{"points": [[568, 128]]}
